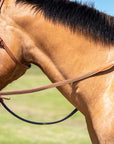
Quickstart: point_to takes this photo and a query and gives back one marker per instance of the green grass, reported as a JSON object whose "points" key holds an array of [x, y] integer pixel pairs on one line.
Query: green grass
{"points": [[48, 105]]}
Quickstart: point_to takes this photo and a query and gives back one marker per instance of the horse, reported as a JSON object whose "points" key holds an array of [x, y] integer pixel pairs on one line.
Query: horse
{"points": [[65, 39], [5, 4]]}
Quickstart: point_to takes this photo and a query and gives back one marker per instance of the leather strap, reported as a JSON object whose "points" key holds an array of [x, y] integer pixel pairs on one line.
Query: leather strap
{"points": [[1, 4], [60, 83], [2, 43]]}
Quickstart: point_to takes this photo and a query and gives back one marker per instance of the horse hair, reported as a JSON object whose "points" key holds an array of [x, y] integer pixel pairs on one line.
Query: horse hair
{"points": [[78, 17]]}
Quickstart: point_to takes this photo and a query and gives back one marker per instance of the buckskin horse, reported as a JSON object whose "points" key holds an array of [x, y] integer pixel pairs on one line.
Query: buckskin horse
{"points": [[65, 39]]}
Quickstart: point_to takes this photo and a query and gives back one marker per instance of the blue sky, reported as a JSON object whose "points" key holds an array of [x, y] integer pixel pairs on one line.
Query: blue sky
{"points": [[106, 6]]}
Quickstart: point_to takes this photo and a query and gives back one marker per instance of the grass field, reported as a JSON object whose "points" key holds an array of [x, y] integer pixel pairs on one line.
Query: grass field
{"points": [[48, 105]]}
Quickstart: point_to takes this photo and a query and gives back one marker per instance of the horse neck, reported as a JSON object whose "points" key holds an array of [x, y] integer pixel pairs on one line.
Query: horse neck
{"points": [[60, 53], [67, 49]]}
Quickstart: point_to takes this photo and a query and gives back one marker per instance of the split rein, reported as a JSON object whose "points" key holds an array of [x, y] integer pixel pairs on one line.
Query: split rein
{"points": [[57, 84]]}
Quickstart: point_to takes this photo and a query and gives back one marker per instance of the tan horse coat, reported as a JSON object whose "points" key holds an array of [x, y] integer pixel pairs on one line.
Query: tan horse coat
{"points": [[7, 4], [62, 54]]}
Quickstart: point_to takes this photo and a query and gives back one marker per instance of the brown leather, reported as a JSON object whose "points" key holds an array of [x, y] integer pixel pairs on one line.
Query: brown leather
{"points": [[1, 4], [2, 43]]}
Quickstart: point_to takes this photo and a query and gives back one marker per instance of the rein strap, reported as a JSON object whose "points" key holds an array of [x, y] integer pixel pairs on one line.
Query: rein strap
{"points": [[2, 43], [1, 4], [57, 84]]}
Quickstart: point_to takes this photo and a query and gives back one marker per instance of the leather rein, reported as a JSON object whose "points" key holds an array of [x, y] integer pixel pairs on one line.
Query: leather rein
{"points": [[4, 46], [1, 4], [57, 84]]}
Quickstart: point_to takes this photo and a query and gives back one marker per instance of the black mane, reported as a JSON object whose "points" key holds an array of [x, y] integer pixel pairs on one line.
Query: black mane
{"points": [[78, 17]]}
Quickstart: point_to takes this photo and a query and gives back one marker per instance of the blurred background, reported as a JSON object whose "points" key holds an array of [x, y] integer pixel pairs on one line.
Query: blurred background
{"points": [[48, 105]]}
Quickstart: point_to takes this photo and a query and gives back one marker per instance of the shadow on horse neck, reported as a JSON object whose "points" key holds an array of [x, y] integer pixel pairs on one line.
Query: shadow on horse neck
{"points": [[65, 39]]}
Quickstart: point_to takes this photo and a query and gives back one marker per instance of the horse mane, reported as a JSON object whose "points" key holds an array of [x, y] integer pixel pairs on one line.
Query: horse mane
{"points": [[78, 17]]}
